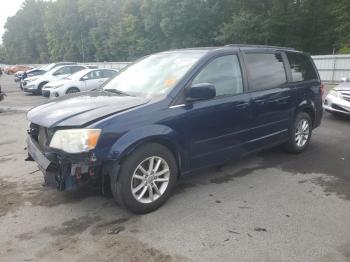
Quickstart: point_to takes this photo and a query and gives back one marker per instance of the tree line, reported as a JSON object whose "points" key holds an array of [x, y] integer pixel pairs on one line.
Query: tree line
{"points": [[123, 30]]}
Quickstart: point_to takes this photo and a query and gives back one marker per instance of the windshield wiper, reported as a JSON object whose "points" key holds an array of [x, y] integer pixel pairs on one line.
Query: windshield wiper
{"points": [[116, 91]]}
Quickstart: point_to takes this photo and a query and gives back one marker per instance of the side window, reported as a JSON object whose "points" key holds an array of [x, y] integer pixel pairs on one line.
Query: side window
{"points": [[63, 71], [97, 74], [75, 69], [301, 67], [265, 70], [109, 73], [224, 73]]}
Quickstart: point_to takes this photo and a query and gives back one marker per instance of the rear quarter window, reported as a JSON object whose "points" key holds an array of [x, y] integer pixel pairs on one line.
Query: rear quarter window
{"points": [[265, 70], [301, 67]]}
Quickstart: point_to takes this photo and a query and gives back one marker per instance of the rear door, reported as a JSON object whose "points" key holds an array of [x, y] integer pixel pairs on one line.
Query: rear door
{"points": [[271, 97], [217, 127], [306, 83]]}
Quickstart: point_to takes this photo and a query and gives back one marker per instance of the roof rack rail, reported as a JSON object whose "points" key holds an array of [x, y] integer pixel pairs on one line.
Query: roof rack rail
{"points": [[259, 46]]}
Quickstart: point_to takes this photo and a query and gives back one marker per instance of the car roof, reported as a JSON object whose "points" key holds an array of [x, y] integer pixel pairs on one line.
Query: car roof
{"points": [[236, 47], [88, 70]]}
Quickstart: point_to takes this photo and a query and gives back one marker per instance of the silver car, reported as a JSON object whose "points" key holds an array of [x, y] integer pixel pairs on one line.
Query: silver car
{"points": [[338, 99]]}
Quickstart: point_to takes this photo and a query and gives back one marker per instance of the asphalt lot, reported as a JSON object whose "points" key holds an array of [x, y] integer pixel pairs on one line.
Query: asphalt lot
{"points": [[271, 206]]}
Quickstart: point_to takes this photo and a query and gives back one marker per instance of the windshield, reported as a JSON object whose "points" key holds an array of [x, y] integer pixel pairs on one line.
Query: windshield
{"points": [[47, 67], [154, 75]]}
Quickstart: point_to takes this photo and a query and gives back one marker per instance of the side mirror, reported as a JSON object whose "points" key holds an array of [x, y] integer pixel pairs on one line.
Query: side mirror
{"points": [[84, 78], [203, 91]]}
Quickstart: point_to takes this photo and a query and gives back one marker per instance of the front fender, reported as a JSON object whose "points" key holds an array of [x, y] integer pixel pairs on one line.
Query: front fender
{"points": [[165, 135]]}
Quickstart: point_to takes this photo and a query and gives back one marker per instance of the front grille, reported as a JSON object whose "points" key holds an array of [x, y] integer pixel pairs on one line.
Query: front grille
{"points": [[346, 96], [336, 107], [41, 135]]}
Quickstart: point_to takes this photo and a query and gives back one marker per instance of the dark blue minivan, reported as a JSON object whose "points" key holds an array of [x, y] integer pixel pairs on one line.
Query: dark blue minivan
{"points": [[174, 112]]}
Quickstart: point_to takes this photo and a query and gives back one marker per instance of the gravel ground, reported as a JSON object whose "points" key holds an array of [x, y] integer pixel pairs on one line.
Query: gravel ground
{"points": [[271, 206]]}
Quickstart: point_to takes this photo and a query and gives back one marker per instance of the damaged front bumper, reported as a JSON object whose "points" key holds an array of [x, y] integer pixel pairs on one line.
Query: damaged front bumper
{"points": [[64, 171]]}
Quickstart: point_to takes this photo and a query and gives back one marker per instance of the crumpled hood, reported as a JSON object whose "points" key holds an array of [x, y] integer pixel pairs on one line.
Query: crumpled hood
{"points": [[82, 108]]}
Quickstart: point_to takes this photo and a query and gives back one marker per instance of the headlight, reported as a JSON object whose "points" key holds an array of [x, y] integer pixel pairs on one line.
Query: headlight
{"points": [[31, 79], [334, 93], [75, 140]]}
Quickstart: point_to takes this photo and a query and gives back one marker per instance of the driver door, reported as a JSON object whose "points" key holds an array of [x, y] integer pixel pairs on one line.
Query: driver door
{"points": [[218, 127], [93, 80]]}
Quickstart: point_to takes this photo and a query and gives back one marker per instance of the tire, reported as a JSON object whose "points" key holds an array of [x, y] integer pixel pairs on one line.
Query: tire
{"points": [[72, 90], [40, 88], [133, 178], [300, 134]]}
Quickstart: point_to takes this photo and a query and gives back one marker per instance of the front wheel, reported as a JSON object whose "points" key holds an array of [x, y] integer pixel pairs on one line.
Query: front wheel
{"points": [[146, 178], [300, 134], [72, 90], [40, 88]]}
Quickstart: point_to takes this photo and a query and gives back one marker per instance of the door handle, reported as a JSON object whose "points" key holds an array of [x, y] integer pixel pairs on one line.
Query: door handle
{"points": [[281, 101], [242, 105], [259, 101]]}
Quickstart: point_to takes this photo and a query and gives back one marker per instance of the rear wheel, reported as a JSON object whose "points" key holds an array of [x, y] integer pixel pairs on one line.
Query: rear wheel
{"points": [[72, 90], [146, 178], [300, 134]]}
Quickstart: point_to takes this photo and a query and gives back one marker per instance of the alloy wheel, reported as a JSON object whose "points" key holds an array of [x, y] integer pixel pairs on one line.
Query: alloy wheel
{"points": [[302, 133], [150, 179]]}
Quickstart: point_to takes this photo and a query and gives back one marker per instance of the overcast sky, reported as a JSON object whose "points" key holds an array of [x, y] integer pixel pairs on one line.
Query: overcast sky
{"points": [[7, 8]]}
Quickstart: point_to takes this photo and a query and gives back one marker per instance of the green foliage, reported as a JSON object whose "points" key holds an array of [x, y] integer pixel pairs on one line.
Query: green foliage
{"points": [[341, 13], [3, 55], [124, 30]]}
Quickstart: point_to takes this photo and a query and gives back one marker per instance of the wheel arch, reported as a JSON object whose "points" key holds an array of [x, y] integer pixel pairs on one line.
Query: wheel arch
{"points": [[71, 87], [42, 83], [164, 136], [308, 107]]}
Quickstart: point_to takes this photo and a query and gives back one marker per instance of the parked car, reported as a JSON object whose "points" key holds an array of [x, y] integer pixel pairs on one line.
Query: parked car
{"points": [[83, 80], [337, 101], [30, 73], [36, 83], [22, 75], [14, 69], [175, 112]]}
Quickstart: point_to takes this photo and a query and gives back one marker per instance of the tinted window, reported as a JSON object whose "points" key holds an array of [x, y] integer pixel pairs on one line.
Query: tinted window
{"points": [[224, 73], [265, 71], [301, 67], [109, 73]]}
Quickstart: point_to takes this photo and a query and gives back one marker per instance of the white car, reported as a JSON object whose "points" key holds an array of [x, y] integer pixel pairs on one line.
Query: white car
{"points": [[84, 80], [36, 83], [338, 99]]}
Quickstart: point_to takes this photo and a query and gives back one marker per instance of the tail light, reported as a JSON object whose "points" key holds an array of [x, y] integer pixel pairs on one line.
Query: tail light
{"points": [[322, 89]]}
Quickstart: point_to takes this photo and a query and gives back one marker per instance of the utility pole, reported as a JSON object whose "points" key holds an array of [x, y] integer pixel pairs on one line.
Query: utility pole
{"points": [[82, 46]]}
